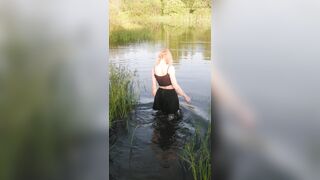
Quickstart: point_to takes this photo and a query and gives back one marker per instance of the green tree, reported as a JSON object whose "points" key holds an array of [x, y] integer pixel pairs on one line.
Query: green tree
{"points": [[162, 7], [207, 3], [190, 5]]}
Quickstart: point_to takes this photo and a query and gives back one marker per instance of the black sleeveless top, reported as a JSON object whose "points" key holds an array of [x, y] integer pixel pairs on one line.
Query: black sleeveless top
{"points": [[163, 80]]}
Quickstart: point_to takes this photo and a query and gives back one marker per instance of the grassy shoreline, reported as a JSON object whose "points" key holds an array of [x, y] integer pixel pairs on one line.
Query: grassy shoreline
{"points": [[142, 22]]}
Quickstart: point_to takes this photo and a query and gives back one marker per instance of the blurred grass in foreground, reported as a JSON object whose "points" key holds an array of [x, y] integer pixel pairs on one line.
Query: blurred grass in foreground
{"points": [[52, 94]]}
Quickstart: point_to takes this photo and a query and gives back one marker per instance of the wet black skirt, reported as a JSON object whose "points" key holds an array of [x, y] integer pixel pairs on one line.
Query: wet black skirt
{"points": [[166, 100]]}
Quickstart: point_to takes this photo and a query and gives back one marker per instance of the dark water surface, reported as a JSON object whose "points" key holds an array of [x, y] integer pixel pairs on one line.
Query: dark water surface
{"points": [[149, 147]]}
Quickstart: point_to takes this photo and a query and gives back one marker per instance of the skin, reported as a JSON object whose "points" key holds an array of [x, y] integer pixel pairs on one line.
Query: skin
{"points": [[161, 70], [221, 91]]}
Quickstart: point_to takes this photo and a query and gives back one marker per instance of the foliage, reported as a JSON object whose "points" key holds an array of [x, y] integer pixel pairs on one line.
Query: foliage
{"points": [[136, 13], [196, 155], [190, 5], [142, 7], [122, 97], [174, 7]]}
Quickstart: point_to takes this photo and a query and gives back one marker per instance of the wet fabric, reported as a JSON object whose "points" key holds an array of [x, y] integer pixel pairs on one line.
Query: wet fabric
{"points": [[166, 100]]}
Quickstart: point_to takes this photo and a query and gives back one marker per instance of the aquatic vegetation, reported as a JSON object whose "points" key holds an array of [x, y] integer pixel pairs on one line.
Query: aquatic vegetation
{"points": [[123, 95], [121, 36], [196, 155]]}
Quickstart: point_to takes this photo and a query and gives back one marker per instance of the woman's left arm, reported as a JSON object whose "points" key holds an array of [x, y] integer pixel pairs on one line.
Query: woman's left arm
{"points": [[176, 86]]}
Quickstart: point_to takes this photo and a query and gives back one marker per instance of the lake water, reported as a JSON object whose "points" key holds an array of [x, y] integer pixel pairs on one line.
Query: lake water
{"points": [[149, 148]]}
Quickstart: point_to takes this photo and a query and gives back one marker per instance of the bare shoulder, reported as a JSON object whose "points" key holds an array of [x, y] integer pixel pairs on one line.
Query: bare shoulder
{"points": [[171, 69]]}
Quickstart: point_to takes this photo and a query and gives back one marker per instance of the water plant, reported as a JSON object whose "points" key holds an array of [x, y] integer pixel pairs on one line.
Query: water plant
{"points": [[196, 155], [121, 36], [123, 96]]}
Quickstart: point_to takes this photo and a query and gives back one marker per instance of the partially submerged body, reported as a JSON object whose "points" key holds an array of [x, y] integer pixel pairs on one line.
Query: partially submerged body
{"points": [[166, 95]]}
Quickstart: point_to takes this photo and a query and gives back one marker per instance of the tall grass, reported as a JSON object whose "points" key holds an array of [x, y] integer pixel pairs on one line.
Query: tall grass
{"points": [[122, 93], [121, 36], [196, 155]]}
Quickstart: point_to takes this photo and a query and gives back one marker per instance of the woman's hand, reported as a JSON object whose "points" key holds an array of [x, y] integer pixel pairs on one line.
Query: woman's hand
{"points": [[187, 99]]}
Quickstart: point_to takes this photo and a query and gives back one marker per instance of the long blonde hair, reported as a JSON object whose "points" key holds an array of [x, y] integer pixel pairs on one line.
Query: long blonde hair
{"points": [[166, 55]]}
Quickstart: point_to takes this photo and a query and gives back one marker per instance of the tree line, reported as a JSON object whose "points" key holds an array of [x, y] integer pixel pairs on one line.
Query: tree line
{"points": [[160, 7]]}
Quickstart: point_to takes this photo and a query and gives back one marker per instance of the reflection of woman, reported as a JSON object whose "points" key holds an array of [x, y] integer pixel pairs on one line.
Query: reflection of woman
{"points": [[166, 96], [164, 133], [165, 141]]}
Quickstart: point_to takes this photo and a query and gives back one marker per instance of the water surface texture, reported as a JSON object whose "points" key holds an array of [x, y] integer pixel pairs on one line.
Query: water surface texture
{"points": [[149, 148]]}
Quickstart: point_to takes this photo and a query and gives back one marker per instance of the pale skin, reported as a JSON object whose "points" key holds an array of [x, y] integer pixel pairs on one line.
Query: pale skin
{"points": [[220, 88], [161, 70]]}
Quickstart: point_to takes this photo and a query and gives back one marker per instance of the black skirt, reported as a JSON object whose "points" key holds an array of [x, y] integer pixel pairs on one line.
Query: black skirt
{"points": [[166, 100]]}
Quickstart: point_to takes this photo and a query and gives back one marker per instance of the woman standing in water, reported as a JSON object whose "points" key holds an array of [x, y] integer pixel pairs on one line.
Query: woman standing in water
{"points": [[166, 96]]}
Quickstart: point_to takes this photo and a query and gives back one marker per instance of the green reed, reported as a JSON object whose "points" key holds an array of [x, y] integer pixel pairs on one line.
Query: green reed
{"points": [[121, 36], [196, 155], [123, 95]]}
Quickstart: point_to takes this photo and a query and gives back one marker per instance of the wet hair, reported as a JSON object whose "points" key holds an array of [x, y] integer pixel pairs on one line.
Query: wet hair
{"points": [[166, 55]]}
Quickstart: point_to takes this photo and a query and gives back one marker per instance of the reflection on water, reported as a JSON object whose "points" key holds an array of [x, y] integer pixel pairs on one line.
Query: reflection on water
{"points": [[164, 133], [182, 41], [190, 48], [149, 148], [152, 142]]}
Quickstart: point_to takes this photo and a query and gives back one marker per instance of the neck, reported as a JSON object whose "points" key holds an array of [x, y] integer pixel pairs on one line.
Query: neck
{"points": [[162, 61]]}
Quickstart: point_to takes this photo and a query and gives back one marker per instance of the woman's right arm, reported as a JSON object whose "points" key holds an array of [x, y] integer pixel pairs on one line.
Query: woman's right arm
{"points": [[176, 86], [154, 83]]}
